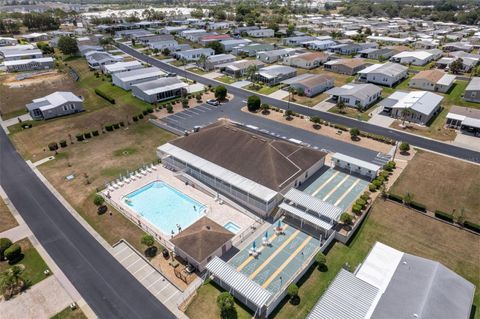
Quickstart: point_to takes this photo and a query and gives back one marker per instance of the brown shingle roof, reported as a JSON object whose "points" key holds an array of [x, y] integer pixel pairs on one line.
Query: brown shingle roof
{"points": [[269, 162], [315, 80], [430, 75], [202, 238], [311, 56], [352, 63]]}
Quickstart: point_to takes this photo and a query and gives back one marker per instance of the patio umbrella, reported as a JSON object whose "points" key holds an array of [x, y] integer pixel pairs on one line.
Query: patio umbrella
{"points": [[266, 235], [279, 225], [254, 245]]}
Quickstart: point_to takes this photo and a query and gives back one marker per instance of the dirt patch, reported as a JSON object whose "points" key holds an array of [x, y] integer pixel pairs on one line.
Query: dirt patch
{"points": [[305, 124], [442, 183], [15, 94], [7, 220]]}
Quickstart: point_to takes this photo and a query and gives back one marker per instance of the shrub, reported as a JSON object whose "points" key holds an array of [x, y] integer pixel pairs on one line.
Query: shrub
{"points": [[361, 202], [98, 200], [346, 218], [357, 209], [320, 259], [79, 137], [140, 116], [316, 121], [144, 112], [253, 103], [87, 135], [389, 166], [354, 133], [472, 226], [365, 197], [396, 198], [63, 143], [380, 178], [116, 126], [384, 174], [122, 124], [372, 187], [135, 118], [292, 291], [169, 109], [199, 98], [185, 103], [4, 244], [53, 146], [377, 182], [13, 252], [105, 96], [220, 92], [109, 127], [149, 110], [418, 206], [444, 216], [95, 133], [404, 147]]}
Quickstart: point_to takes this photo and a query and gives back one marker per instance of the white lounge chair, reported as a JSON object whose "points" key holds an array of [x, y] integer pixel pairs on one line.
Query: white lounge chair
{"points": [[120, 183], [265, 242], [154, 167], [144, 172], [138, 174]]}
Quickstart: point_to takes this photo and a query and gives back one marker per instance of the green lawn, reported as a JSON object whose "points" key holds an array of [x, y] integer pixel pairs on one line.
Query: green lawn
{"points": [[67, 313], [354, 113], [270, 89], [454, 96], [32, 261], [197, 70], [226, 79], [402, 86], [177, 63]]}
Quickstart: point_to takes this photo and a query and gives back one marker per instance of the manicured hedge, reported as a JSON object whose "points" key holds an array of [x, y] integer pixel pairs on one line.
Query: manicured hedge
{"points": [[79, 137], [472, 226], [116, 126], [13, 252], [109, 127], [105, 96], [95, 133], [395, 197], [418, 206], [63, 143], [444, 216], [87, 135]]}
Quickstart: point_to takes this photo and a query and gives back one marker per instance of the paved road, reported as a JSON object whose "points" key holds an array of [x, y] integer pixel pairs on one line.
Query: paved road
{"points": [[243, 94], [109, 289]]}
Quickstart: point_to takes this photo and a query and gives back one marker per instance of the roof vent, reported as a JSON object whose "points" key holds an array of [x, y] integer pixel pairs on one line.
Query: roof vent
{"points": [[404, 262], [415, 315], [207, 227]]}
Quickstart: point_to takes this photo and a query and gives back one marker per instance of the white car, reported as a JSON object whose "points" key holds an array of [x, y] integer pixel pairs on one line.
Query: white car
{"points": [[213, 102]]}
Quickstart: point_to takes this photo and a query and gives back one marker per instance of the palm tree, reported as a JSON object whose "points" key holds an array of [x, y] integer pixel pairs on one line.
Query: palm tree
{"points": [[202, 60], [11, 281], [250, 72], [341, 106], [406, 112]]}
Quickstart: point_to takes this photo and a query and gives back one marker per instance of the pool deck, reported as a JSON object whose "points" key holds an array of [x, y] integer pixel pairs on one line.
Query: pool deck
{"points": [[220, 213]]}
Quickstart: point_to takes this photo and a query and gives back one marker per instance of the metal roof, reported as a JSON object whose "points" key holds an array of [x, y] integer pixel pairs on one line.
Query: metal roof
{"points": [[356, 161], [360, 91], [305, 216], [389, 69], [421, 101], [474, 84], [26, 61], [119, 66], [138, 74], [313, 204], [239, 282], [160, 85], [219, 172], [346, 297]]}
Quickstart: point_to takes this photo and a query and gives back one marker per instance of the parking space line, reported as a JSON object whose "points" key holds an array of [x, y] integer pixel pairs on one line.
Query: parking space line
{"points": [[133, 273], [173, 295], [136, 261], [122, 260], [153, 283], [325, 183], [347, 192], [190, 110], [169, 119], [144, 277], [163, 288], [336, 187], [199, 109], [122, 250], [182, 114]]}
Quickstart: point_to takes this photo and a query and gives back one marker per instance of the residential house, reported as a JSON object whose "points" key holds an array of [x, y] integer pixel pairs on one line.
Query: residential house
{"points": [[466, 119], [238, 68], [380, 54], [160, 45], [387, 74], [14, 54], [389, 40], [252, 49], [159, 90], [97, 59], [35, 37], [218, 25], [213, 61], [193, 34], [360, 96], [297, 40], [145, 40], [261, 33], [346, 66], [126, 79], [472, 91], [275, 55], [416, 57], [121, 67], [173, 29], [392, 284], [432, 80], [201, 241], [194, 54], [421, 106], [240, 30], [274, 74], [319, 45], [309, 60], [29, 64], [351, 48], [132, 34], [85, 48], [6, 41], [457, 46], [206, 39], [310, 84], [54, 105], [228, 45]]}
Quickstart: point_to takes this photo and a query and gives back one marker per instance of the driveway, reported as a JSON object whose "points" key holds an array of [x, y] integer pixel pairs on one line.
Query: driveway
{"points": [[280, 94], [381, 120], [467, 141], [241, 84], [324, 106], [212, 75]]}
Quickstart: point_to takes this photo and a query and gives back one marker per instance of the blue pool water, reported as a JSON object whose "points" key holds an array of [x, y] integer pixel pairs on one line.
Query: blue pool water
{"points": [[232, 227], [164, 206]]}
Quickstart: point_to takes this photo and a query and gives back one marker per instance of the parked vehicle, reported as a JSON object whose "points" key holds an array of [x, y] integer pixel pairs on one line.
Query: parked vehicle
{"points": [[213, 102]]}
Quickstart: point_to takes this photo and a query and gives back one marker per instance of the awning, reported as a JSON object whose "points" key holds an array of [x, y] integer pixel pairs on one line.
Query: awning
{"points": [[305, 216]]}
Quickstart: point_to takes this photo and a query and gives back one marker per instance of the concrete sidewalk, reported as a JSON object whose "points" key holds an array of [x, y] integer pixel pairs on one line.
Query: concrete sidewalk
{"points": [[14, 120]]}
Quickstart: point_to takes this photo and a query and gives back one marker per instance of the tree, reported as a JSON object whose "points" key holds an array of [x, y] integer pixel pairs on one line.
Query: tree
{"points": [[354, 133], [4, 244], [98, 200], [292, 292], [265, 108], [341, 106], [67, 45], [253, 103], [202, 60], [456, 66], [408, 199], [346, 218], [197, 13], [288, 114], [405, 113], [316, 121], [166, 51], [216, 46], [149, 241], [220, 93], [46, 49], [404, 147], [11, 282], [226, 304], [290, 30], [250, 72]]}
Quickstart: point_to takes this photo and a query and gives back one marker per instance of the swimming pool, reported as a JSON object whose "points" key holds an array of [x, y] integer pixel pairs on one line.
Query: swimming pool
{"points": [[164, 206], [232, 227]]}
